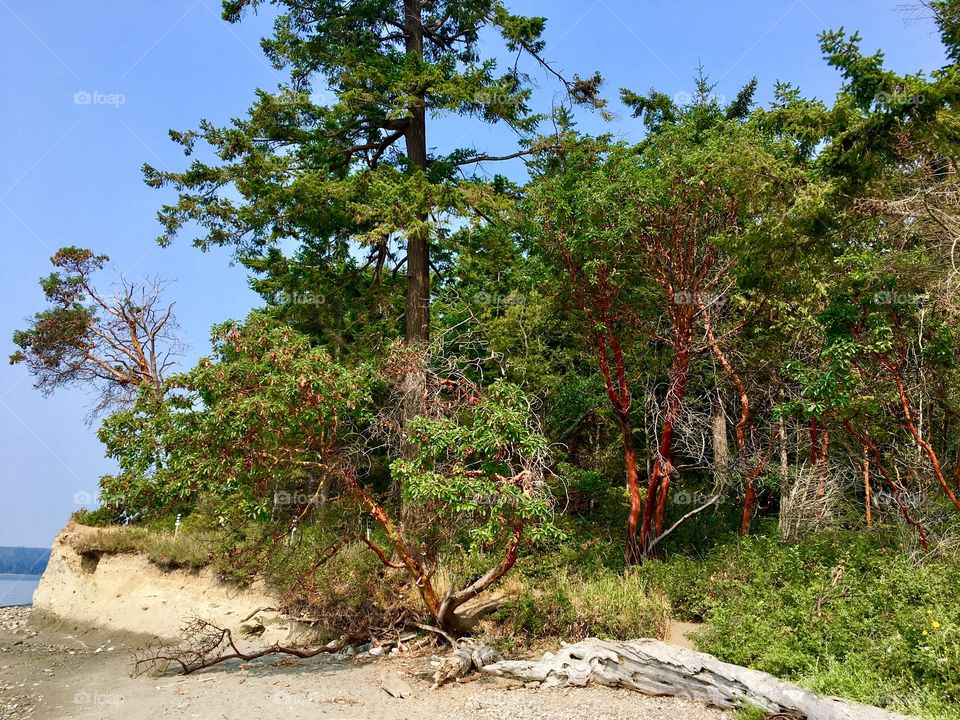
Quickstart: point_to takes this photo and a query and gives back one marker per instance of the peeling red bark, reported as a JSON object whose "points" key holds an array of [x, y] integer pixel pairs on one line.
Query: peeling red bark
{"points": [[672, 241], [895, 487], [663, 463], [910, 424], [745, 422]]}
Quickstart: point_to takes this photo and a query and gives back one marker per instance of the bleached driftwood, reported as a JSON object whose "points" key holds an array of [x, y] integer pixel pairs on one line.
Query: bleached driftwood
{"points": [[653, 667], [462, 661]]}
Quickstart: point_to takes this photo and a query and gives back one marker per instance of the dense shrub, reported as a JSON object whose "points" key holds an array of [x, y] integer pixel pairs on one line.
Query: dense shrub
{"points": [[841, 613]]}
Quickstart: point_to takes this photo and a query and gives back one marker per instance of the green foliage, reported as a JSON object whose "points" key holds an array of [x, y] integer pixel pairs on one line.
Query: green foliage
{"points": [[751, 712], [352, 180], [188, 549], [841, 613], [818, 239], [603, 604], [101, 517], [483, 466], [149, 441], [56, 345]]}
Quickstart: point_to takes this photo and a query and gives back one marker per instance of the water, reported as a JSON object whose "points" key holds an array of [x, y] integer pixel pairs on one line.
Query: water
{"points": [[17, 589]]}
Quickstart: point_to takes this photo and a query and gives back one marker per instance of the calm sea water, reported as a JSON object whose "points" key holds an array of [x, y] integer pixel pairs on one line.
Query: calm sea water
{"points": [[17, 589]]}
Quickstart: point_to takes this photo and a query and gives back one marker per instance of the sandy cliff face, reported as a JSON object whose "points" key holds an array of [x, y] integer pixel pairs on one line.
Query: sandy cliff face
{"points": [[127, 593]]}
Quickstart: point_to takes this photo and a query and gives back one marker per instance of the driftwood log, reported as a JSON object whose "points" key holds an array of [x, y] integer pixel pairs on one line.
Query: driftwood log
{"points": [[653, 667], [462, 661]]}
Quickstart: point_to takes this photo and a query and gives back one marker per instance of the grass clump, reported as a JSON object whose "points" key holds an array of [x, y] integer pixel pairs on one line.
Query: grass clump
{"points": [[570, 606], [189, 549]]}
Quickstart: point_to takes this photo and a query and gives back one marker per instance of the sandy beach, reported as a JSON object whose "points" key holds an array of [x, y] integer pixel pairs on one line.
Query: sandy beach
{"points": [[49, 674]]}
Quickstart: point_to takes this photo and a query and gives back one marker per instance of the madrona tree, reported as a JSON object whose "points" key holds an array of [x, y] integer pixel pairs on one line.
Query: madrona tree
{"points": [[649, 240], [880, 347], [273, 433]]}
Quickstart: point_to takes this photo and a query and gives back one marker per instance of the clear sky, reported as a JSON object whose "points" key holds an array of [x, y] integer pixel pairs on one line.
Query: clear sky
{"points": [[70, 169]]}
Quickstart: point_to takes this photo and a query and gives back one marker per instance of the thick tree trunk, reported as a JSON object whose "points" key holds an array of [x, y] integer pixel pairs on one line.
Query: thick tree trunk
{"points": [[458, 611], [655, 668], [417, 305], [418, 240]]}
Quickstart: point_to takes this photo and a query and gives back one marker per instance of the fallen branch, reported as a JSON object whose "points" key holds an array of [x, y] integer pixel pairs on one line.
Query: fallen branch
{"points": [[696, 511], [259, 610], [438, 631], [206, 644]]}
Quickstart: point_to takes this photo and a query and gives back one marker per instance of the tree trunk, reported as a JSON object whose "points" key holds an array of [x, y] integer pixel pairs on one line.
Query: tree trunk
{"points": [[866, 486], [633, 551], [749, 502], [417, 305], [655, 668], [663, 464], [784, 459], [418, 240], [721, 444]]}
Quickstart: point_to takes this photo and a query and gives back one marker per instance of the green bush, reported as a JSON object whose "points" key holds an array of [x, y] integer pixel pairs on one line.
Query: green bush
{"points": [[843, 614], [101, 517], [686, 583]]}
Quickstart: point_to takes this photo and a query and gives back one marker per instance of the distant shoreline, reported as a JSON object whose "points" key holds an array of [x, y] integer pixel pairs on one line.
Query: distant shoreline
{"points": [[6, 576], [16, 589]]}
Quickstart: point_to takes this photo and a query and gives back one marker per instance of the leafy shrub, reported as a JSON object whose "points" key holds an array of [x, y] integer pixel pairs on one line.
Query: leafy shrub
{"points": [[101, 517], [686, 583], [841, 613]]}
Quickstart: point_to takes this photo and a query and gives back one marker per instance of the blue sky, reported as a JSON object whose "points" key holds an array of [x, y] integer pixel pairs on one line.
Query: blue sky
{"points": [[70, 169]]}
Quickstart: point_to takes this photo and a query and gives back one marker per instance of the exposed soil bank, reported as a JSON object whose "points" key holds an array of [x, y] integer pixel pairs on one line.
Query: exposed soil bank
{"points": [[126, 593]]}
